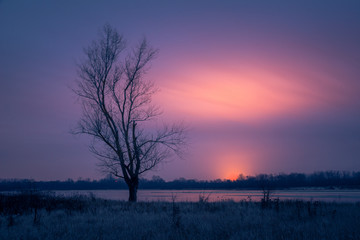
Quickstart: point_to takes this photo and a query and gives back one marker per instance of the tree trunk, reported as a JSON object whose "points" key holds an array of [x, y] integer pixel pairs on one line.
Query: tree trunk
{"points": [[133, 192]]}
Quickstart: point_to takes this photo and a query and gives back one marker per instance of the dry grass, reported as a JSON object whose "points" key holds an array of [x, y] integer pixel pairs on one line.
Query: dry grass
{"points": [[101, 219]]}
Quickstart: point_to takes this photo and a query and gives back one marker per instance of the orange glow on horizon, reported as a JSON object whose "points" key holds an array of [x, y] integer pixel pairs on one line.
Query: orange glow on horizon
{"points": [[231, 165], [232, 176]]}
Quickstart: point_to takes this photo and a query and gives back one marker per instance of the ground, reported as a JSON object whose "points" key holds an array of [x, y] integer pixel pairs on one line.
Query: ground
{"points": [[90, 218]]}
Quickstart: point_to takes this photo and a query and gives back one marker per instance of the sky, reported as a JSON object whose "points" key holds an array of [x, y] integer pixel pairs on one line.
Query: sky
{"points": [[264, 86]]}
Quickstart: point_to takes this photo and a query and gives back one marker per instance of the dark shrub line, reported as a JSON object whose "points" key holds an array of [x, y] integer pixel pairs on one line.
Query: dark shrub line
{"points": [[31, 202], [329, 179]]}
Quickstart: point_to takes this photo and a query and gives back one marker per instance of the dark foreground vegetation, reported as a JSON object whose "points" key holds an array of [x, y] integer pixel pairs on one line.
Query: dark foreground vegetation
{"points": [[329, 179], [44, 216]]}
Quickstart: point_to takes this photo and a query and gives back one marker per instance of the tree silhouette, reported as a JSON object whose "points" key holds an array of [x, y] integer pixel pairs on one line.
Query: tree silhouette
{"points": [[117, 109]]}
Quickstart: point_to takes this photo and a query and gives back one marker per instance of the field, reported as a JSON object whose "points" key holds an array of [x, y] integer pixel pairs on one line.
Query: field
{"points": [[29, 216]]}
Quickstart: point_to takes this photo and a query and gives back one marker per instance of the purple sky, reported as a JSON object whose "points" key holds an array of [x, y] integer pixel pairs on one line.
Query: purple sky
{"points": [[265, 86]]}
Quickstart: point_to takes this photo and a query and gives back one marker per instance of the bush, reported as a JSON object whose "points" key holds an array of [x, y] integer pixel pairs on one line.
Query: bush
{"points": [[28, 202]]}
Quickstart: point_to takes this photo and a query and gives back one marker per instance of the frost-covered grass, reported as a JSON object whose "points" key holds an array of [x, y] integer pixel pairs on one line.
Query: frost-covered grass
{"points": [[101, 219]]}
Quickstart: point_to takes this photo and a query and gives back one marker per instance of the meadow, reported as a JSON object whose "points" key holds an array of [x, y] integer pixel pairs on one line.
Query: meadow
{"points": [[38, 216]]}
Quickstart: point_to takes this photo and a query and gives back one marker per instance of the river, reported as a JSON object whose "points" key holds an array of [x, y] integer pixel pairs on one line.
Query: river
{"points": [[222, 195]]}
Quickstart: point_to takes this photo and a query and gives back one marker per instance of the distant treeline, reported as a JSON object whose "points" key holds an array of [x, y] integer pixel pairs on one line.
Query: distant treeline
{"points": [[329, 179]]}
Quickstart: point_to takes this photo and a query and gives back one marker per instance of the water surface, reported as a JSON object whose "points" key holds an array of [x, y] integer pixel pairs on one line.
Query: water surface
{"points": [[222, 195]]}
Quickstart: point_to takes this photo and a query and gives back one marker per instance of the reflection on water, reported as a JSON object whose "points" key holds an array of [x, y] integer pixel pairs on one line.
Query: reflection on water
{"points": [[221, 195]]}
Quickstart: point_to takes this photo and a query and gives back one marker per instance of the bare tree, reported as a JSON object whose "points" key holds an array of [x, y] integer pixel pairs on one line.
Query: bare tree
{"points": [[117, 109]]}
